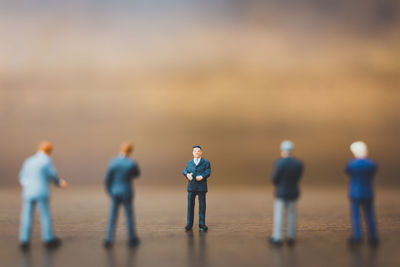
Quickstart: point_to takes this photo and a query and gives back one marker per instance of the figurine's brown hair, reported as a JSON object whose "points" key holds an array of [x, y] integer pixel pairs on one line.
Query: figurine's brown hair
{"points": [[46, 147], [126, 147]]}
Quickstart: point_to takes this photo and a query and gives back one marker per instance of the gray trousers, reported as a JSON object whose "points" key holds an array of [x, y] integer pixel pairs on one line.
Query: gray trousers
{"points": [[280, 206]]}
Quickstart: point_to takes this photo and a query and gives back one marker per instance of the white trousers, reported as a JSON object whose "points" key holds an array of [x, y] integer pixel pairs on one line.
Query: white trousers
{"points": [[280, 206]]}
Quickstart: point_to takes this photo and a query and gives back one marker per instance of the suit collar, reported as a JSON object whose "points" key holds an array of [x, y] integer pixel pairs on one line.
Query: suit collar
{"points": [[200, 162]]}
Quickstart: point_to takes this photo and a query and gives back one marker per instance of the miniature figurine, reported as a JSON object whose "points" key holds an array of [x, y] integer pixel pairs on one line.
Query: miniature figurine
{"points": [[286, 176], [36, 174], [120, 173], [197, 172], [361, 170]]}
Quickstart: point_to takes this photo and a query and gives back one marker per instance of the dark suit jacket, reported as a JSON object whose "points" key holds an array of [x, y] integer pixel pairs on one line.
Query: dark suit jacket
{"points": [[119, 175], [361, 172], [202, 169], [286, 176]]}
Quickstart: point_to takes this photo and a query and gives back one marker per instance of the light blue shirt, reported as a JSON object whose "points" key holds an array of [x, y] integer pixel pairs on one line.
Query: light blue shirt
{"points": [[36, 174]]}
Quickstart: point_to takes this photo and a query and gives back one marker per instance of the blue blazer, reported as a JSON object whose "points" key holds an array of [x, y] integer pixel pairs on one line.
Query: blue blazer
{"points": [[202, 169], [361, 172], [119, 175], [36, 174]]}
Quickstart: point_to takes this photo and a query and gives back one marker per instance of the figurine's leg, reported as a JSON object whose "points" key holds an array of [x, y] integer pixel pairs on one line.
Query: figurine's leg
{"points": [[370, 217], [45, 220], [112, 219], [291, 219], [28, 207], [130, 219], [202, 208], [355, 219], [190, 208], [278, 219]]}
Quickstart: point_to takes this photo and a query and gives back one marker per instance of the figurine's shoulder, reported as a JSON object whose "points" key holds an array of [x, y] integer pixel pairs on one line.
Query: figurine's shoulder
{"points": [[28, 161], [205, 161], [31, 158], [281, 161], [365, 163], [39, 158], [371, 161], [298, 161], [115, 161]]}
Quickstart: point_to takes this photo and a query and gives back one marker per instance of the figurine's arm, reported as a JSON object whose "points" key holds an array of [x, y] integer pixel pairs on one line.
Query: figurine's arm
{"points": [[187, 173], [207, 171], [347, 169], [53, 176], [277, 173], [205, 174], [22, 174], [135, 171], [108, 178]]}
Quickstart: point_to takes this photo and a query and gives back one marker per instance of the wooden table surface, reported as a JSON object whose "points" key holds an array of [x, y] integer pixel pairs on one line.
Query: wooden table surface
{"points": [[239, 220]]}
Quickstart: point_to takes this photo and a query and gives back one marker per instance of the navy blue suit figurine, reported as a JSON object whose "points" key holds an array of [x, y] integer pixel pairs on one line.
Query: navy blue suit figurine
{"points": [[197, 172], [286, 177], [361, 171], [120, 173]]}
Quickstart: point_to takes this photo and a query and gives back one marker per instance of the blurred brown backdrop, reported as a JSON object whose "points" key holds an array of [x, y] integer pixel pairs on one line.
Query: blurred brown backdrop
{"points": [[236, 77]]}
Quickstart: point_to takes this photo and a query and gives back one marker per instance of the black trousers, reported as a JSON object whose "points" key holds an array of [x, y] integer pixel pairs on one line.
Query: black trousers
{"points": [[202, 207]]}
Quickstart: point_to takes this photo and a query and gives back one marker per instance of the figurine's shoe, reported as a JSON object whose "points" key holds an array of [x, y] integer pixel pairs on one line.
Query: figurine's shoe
{"points": [[374, 242], [188, 228], [354, 242], [203, 228], [291, 242], [134, 242], [275, 243], [54, 243], [24, 246], [107, 244]]}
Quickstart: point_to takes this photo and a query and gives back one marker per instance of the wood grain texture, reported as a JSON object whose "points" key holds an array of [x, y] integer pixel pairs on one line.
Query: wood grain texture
{"points": [[240, 220]]}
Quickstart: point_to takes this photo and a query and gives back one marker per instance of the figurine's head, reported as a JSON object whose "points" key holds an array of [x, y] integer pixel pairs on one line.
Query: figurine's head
{"points": [[197, 152], [287, 148], [45, 147], [359, 149], [126, 148]]}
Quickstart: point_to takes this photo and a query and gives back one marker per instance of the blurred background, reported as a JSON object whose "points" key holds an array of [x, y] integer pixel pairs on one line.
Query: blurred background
{"points": [[236, 77]]}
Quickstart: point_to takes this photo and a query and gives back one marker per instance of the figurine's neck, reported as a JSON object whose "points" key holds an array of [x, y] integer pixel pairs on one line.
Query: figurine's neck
{"points": [[286, 154]]}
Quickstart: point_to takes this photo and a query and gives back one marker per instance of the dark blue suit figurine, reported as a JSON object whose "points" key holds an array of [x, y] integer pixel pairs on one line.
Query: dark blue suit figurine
{"points": [[286, 177], [361, 171], [197, 172], [120, 173]]}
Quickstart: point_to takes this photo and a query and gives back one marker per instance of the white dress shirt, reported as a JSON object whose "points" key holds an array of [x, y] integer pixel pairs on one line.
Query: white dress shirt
{"points": [[196, 161]]}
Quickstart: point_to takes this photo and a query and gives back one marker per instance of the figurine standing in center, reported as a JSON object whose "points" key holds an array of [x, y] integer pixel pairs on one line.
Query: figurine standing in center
{"points": [[286, 177], [197, 172], [120, 173]]}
